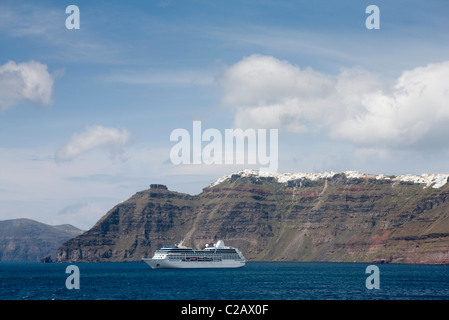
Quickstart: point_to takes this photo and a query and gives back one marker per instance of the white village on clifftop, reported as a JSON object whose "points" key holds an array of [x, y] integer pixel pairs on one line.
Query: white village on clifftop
{"points": [[433, 180]]}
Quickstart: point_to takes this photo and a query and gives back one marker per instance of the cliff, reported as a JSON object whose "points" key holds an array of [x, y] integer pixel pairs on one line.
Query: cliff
{"points": [[328, 217]]}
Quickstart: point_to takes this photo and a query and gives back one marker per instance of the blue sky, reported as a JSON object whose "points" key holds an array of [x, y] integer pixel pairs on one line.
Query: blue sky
{"points": [[86, 115]]}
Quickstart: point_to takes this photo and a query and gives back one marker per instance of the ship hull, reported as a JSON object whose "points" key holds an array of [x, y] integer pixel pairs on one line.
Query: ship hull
{"points": [[179, 264]]}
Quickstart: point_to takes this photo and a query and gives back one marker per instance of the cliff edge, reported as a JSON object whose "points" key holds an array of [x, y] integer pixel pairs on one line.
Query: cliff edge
{"points": [[345, 217]]}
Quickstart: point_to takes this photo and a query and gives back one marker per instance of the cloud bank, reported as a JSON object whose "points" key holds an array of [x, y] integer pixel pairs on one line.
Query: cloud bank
{"points": [[355, 106], [27, 81], [94, 137]]}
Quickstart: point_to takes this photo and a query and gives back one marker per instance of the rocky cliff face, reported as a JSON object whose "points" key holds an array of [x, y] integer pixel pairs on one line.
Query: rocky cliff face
{"points": [[336, 217]]}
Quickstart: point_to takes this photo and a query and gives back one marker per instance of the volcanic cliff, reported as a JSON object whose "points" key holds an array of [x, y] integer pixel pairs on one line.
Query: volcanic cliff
{"points": [[346, 217]]}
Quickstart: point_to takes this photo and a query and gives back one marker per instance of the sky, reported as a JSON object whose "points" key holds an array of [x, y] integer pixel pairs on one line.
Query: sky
{"points": [[86, 114]]}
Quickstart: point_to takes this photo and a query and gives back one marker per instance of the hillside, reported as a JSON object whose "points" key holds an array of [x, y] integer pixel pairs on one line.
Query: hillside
{"points": [[307, 217], [29, 240]]}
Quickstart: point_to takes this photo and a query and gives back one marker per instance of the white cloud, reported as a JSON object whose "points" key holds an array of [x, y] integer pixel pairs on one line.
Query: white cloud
{"points": [[412, 113], [264, 92], [355, 106], [27, 81], [94, 137]]}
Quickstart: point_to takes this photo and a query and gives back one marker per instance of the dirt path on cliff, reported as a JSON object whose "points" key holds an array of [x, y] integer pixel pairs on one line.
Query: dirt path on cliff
{"points": [[320, 197], [189, 235]]}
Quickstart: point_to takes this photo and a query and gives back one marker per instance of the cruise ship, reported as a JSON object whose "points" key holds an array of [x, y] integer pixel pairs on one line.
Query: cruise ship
{"points": [[212, 256]]}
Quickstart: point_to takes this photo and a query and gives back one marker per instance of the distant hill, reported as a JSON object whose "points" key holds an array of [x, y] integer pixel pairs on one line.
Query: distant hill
{"points": [[344, 217], [29, 240]]}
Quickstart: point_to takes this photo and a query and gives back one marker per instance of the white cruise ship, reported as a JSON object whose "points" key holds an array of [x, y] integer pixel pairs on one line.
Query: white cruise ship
{"points": [[213, 256]]}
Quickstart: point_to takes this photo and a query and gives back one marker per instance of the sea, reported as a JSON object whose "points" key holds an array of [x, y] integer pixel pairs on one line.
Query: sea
{"points": [[256, 281]]}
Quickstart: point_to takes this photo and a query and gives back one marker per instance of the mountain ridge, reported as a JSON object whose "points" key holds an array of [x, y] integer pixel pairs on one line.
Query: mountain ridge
{"points": [[25, 239], [347, 217]]}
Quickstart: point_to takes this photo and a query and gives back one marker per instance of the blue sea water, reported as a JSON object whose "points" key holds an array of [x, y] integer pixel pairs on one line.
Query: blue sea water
{"points": [[255, 281]]}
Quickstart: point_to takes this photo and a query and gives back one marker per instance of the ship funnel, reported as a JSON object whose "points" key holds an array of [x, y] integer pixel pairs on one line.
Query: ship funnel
{"points": [[181, 244], [219, 244]]}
